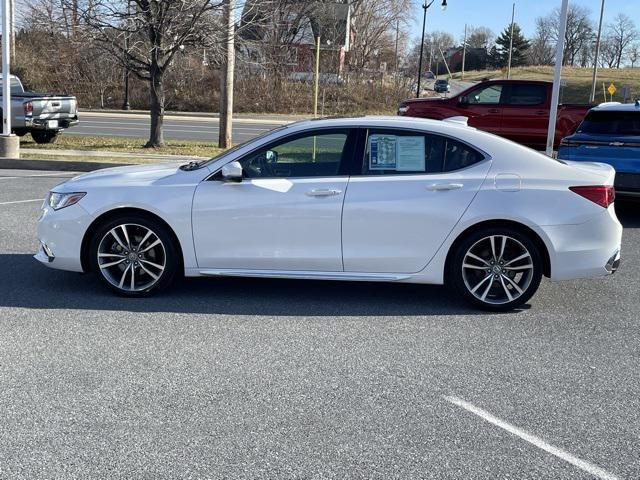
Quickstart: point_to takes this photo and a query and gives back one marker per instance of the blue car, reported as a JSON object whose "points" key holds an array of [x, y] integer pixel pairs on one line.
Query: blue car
{"points": [[609, 133]]}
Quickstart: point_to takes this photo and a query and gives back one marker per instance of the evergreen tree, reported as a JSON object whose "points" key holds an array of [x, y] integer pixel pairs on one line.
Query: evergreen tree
{"points": [[520, 47]]}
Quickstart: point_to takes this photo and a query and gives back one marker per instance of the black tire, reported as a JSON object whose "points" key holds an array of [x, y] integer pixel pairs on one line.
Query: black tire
{"points": [[44, 136], [145, 266], [490, 277]]}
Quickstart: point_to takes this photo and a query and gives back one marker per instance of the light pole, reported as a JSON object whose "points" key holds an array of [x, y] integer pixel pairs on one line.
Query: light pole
{"points": [[425, 7], [595, 58]]}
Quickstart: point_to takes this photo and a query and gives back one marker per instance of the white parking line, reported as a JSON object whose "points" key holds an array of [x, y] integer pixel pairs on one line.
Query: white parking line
{"points": [[22, 201], [532, 439]]}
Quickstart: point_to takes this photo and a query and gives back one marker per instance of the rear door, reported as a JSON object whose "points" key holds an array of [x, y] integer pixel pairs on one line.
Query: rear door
{"points": [[525, 116], [484, 107], [410, 191]]}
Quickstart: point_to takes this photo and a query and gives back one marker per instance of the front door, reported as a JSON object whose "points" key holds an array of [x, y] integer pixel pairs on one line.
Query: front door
{"points": [[484, 108], [284, 215], [412, 190]]}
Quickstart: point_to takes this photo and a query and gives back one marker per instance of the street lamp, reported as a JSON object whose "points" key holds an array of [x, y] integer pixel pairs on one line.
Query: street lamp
{"points": [[425, 6]]}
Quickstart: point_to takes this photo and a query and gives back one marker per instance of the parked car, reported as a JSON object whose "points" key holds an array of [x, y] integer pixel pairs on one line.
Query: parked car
{"points": [[514, 109], [442, 86], [429, 75], [43, 115], [610, 133], [382, 199]]}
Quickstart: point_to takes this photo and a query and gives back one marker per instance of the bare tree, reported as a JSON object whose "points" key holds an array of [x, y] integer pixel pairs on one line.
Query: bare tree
{"points": [[621, 33], [157, 30], [634, 54], [541, 50], [480, 37], [579, 30], [373, 27]]}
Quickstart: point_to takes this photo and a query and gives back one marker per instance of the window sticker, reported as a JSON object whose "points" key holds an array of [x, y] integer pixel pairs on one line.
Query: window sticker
{"points": [[399, 153], [410, 153], [382, 152]]}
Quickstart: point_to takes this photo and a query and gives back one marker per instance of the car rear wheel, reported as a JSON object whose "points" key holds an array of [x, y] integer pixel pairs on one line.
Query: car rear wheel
{"points": [[134, 256], [497, 269]]}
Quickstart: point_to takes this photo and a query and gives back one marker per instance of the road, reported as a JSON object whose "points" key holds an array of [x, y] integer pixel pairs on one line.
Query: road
{"points": [[249, 378], [175, 127]]}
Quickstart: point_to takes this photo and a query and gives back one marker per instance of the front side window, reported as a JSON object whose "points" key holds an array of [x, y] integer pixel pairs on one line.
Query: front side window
{"points": [[485, 95], [611, 123], [395, 152], [317, 154]]}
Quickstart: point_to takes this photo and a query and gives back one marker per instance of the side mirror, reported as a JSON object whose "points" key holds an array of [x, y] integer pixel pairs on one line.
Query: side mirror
{"points": [[464, 100], [271, 156], [232, 172]]}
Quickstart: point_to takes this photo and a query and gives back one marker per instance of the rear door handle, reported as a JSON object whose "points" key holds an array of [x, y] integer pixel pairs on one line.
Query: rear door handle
{"points": [[541, 112], [436, 187], [323, 192]]}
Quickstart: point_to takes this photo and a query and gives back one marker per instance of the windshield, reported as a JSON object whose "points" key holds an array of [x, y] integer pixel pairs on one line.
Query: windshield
{"points": [[611, 122]]}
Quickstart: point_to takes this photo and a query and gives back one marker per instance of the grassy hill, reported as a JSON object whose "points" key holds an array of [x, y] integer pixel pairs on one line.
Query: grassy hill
{"points": [[578, 80]]}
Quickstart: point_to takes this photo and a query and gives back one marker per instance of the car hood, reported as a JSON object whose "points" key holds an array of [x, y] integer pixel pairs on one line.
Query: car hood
{"points": [[130, 175]]}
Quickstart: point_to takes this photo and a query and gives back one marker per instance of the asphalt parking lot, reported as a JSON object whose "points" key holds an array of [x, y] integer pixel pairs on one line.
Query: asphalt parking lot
{"points": [[233, 378]]}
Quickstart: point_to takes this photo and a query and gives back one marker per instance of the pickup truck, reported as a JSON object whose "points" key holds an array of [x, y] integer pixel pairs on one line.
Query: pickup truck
{"points": [[514, 109], [43, 115]]}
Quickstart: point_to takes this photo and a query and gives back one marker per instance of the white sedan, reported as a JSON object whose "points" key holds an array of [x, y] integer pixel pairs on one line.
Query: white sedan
{"points": [[387, 199]]}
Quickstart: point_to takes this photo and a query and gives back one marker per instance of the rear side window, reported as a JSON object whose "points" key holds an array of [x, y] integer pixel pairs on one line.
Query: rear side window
{"points": [[394, 152], [611, 123], [528, 94]]}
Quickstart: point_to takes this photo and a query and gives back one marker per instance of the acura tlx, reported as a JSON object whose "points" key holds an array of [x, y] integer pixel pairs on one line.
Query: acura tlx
{"points": [[385, 199]]}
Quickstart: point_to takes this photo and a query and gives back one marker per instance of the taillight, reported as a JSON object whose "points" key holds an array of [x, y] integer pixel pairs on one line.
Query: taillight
{"points": [[603, 195], [28, 108]]}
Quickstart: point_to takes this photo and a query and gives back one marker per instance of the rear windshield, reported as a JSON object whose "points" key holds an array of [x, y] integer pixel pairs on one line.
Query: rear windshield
{"points": [[15, 85], [611, 122]]}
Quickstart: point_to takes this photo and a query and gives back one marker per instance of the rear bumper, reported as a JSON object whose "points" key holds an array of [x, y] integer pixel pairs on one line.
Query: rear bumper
{"points": [[590, 249], [43, 123]]}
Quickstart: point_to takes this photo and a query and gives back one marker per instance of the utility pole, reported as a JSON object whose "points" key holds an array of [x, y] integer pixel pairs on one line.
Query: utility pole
{"points": [[464, 51], [555, 94], [127, 73], [226, 90], [396, 54], [513, 14], [316, 79], [9, 144], [12, 19], [595, 59]]}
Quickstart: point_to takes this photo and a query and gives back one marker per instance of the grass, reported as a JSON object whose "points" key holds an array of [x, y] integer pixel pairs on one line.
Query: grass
{"points": [[125, 145], [578, 87]]}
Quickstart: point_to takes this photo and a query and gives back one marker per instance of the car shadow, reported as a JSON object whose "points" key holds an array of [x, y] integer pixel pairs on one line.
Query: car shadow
{"points": [[25, 283], [628, 212]]}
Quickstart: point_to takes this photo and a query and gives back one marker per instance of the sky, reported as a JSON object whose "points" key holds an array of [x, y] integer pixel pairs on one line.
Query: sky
{"points": [[496, 14]]}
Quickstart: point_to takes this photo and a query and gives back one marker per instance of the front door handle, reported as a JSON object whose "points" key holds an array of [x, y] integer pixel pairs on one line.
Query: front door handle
{"points": [[541, 112], [323, 192], [494, 110], [437, 187]]}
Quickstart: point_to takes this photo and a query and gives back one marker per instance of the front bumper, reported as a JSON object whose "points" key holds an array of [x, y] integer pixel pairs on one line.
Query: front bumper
{"points": [[60, 233]]}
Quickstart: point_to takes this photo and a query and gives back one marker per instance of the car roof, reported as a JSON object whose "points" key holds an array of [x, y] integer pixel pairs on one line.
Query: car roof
{"points": [[617, 107], [375, 121]]}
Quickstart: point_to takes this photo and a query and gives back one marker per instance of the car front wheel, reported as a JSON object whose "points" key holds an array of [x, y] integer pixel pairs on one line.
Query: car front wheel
{"points": [[497, 269], [134, 255]]}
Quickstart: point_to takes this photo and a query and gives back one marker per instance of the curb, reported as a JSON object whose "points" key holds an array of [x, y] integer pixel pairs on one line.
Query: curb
{"points": [[56, 165]]}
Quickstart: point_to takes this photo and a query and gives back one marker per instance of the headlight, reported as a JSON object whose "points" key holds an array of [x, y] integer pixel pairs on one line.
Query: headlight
{"points": [[61, 200]]}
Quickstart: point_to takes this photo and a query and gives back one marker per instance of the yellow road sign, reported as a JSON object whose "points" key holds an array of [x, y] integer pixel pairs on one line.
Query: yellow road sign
{"points": [[612, 89]]}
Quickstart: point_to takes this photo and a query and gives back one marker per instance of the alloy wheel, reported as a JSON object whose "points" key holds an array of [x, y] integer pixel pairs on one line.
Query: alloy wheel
{"points": [[131, 257], [497, 269]]}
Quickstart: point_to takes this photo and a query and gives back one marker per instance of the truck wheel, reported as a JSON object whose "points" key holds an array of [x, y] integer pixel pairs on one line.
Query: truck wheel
{"points": [[44, 136]]}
